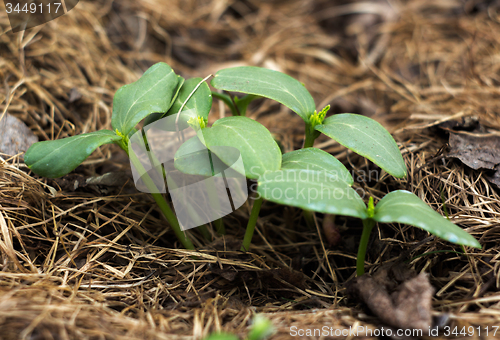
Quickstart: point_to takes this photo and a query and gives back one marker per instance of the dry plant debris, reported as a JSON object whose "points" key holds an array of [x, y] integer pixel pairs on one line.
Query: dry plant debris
{"points": [[15, 137], [397, 298], [478, 149], [75, 264]]}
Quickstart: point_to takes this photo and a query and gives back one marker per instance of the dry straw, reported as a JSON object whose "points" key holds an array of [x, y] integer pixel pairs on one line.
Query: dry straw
{"points": [[86, 265]]}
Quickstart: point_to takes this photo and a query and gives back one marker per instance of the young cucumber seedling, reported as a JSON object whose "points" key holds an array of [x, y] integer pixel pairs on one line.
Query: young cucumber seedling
{"points": [[159, 92], [314, 180]]}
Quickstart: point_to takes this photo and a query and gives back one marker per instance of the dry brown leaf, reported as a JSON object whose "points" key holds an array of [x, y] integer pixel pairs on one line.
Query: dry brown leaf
{"points": [[405, 305], [477, 152]]}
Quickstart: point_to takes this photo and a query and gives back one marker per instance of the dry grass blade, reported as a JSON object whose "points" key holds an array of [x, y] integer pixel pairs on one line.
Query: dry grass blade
{"points": [[96, 262]]}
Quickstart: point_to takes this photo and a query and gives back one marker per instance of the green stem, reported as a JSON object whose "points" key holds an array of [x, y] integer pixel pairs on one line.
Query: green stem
{"points": [[243, 102], [309, 217], [310, 137], [204, 232], [219, 225], [172, 219], [162, 204], [368, 225], [252, 221], [227, 100], [308, 143], [194, 215]]}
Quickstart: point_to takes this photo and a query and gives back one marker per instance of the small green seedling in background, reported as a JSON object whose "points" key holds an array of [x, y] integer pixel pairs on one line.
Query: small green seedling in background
{"points": [[261, 329]]}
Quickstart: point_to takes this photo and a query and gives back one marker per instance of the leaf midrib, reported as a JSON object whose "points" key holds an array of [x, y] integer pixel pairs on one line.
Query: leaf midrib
{"points": [[370, 137], [303, 162], [244, 139], [77, 138], [127, 118], [271, 86]]}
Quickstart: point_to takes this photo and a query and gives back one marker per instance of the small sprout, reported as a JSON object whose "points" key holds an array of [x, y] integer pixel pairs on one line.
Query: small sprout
{"points": [[329, 195], [318, 117], [370, 211], [197, 123], [361, 134], [119, 133], [123, 143], [261, 328]]}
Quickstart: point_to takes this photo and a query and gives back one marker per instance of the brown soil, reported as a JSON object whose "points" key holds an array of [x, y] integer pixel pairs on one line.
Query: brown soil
{"points": [[101, 263]]}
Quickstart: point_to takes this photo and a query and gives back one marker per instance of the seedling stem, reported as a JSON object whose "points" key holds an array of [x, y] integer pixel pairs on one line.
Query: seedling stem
{"points": [[309, 141], [368, 225], [309, 217], [252, 221], [219, 225], [162, 204]]}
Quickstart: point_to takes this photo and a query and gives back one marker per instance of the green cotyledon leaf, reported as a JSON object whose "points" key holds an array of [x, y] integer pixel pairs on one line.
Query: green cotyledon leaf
{"points": [[194, 158], [200, 101], [269, 84], [198, 105], [57, 158], [259, 151], [153, 117], [367, 138], [404, 207], [153, 92], [318, 160], [311, 190]]}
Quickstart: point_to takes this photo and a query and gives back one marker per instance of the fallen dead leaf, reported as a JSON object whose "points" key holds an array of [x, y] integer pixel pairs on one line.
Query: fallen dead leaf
{"points": [[475, 146], [396, 298], [476, 151]]}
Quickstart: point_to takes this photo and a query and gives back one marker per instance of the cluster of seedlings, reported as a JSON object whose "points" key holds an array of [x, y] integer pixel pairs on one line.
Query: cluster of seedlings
{"points": [[308, 178]]}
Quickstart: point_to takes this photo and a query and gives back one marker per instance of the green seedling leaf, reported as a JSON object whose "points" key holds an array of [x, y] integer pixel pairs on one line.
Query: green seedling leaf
{"points": [[151, 119], [404, 207], [258, 149], [153, 92], [366, 137], [57, 158], [269, 84], [243, 102], [132, 131], [158, 115], [262, 328], [318, 160], [311, 190], [198, 105], [193, 158], [222, 336], [180, 83]]}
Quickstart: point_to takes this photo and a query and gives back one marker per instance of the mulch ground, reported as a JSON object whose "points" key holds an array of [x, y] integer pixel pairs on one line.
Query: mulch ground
{"points": [[100, 262]]}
